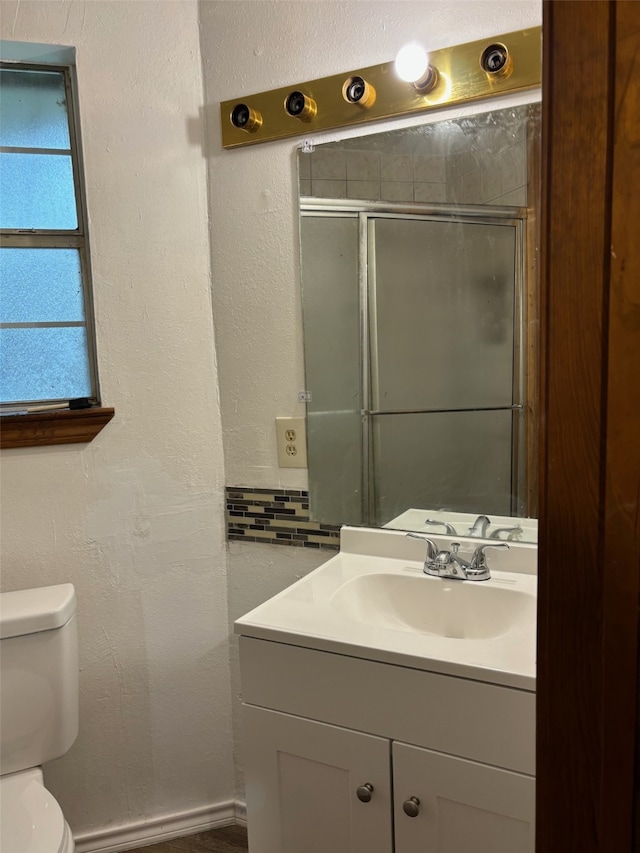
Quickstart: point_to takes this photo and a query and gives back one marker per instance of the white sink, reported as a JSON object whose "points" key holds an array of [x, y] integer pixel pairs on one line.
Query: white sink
{"points": [[373, 601], [460, 610]]}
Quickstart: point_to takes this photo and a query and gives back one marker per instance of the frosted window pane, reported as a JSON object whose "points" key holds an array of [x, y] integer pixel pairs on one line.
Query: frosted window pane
{"points": [[40, 285], [34, 109], [36, 191], [43, 364]]}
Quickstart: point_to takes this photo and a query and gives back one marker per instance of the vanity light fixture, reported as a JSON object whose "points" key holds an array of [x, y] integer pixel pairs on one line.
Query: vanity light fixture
{"points": [[502, 64], [356, 90], [245, 118]]}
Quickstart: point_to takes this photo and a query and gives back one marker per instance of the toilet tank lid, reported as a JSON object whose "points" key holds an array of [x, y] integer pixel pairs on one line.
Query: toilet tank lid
{"points": [[28, 611]]}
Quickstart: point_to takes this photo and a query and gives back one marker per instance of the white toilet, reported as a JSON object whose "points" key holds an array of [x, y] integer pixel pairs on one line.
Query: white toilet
{"points": [[38, 713]]}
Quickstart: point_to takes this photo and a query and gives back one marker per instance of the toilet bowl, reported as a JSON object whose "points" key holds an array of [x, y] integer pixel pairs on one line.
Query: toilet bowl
{"points": [[31, 821], [39, 712]]}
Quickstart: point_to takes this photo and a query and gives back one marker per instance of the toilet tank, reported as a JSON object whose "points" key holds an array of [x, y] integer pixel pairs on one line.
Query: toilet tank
{"points": [[38, 676]]}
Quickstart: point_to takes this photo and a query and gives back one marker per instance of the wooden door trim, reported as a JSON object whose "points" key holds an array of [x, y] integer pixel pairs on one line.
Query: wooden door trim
{"points": [[590, 428]]}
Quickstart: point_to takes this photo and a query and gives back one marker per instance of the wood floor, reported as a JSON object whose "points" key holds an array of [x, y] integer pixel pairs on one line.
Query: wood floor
{"points": [[228, 839]]}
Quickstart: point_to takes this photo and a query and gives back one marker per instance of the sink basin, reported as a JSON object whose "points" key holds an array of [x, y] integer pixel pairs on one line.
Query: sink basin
{"points": [[461, 610], [373, 601]]}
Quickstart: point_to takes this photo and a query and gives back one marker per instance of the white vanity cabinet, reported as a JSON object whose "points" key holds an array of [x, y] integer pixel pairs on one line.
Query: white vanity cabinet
{"points": [[347, 755]]}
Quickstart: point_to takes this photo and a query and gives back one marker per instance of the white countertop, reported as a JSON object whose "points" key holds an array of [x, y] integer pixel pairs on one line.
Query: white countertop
{"points": [[303, 614]]}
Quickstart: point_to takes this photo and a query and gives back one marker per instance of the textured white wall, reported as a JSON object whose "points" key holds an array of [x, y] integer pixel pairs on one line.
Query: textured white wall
{"points": [[135, 519], [249, 46]]}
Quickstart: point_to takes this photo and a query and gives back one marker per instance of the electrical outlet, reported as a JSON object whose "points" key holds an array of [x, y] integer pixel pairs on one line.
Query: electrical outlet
{"points": [[292, 442]]}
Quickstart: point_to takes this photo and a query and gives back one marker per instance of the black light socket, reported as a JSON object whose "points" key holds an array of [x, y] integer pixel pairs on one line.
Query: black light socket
{"points": [[300, 106], [356, 90], [246, 118], [428, 81], [496, 60]]}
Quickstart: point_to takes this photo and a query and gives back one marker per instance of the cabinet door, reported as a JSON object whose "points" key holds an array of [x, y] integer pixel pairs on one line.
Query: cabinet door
{"points": [[302, 781], [464, 807]]}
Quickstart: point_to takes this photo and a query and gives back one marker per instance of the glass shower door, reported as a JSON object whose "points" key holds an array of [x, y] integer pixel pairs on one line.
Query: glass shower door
{"points": [[445, 376]]}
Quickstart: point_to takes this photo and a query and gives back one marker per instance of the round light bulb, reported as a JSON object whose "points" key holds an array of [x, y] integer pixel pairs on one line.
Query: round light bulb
{"points": [[412, 62]]}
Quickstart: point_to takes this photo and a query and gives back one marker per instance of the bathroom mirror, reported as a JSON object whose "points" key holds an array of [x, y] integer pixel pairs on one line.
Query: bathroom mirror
{"points": [[418, 258]]}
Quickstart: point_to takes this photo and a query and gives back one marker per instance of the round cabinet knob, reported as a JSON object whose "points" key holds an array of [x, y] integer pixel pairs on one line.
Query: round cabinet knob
{"points": [[411, 807], [364, 792]]}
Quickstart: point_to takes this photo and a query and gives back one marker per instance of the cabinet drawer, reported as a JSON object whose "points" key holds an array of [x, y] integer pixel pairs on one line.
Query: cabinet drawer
{"points": [[482, 722]]}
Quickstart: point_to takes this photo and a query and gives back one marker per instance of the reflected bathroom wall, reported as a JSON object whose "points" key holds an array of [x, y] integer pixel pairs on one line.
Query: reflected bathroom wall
{"points": [[480, 159], [416, 320]]}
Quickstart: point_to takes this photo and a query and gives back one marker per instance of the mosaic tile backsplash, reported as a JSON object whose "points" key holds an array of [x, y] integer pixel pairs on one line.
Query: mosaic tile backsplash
{"points": [[277, 517]]}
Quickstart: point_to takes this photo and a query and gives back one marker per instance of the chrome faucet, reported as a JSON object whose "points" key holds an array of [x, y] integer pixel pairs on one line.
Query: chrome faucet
{"points": [[479, 527], [448, 528], [449, 564]]}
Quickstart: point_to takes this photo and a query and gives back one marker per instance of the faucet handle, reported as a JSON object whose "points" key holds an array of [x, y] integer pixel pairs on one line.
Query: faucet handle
{"points": [[478, 565], [448, 528], [513, 532], [432, 548]]}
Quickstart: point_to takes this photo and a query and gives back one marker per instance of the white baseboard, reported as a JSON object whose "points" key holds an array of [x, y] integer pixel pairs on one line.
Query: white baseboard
{"points": [[241, 813], [126, 837]]}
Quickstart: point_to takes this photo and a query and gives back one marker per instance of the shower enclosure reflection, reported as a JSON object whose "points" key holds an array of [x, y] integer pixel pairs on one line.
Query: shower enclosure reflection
{"points": [[417, 322]]}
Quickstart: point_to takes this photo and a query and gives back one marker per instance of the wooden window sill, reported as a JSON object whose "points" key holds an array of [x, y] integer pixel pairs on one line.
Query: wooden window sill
{"points": [[77, 426]]}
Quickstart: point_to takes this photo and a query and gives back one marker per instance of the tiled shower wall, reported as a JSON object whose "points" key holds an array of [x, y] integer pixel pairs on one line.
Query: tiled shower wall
{"points": [[278, 517], [489, 174], [374, 175]]}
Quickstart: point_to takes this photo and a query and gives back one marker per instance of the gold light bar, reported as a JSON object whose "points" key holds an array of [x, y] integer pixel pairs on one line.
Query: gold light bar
{"points": [[512, 63]]}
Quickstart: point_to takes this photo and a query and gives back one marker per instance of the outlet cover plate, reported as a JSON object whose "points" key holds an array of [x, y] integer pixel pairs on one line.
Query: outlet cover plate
{"points": [[291, 437]]}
